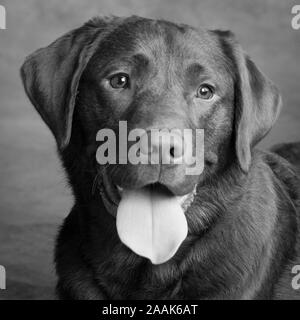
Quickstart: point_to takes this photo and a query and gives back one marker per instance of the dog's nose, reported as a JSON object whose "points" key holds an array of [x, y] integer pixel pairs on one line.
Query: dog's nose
{"points": [[163, 146]]}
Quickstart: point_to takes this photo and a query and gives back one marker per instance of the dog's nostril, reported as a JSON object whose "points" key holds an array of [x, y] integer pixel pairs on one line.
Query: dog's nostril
{"points": [[176, 150], [145, 146], [164, 146], [172, 152]]}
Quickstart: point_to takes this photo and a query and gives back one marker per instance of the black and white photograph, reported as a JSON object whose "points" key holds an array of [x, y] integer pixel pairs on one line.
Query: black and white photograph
{"points": [[150, 150]]}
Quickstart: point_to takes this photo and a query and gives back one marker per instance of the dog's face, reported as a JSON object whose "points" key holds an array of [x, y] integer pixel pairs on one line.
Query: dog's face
{"points": [[162, 76], [153, 75]]}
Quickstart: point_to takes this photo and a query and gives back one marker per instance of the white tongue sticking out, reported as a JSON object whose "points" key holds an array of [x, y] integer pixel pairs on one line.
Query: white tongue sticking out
{"points": [[151, 223]]}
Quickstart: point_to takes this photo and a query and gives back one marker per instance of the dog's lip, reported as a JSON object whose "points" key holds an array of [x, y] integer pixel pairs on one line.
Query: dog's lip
{"points": [[163, 188], [112, 195]]}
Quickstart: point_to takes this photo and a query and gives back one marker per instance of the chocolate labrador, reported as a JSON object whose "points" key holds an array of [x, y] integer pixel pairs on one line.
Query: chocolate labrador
{"points": [[150, 230]]}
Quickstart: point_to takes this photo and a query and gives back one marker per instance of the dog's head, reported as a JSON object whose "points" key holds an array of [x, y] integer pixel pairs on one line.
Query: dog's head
{"points": [[153, 75]]}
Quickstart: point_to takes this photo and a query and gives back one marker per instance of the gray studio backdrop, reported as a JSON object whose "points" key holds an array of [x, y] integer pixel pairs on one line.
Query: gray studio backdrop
{"points": [[33, 194]]}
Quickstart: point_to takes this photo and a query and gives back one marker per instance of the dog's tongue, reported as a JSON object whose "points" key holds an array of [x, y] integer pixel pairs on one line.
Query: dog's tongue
{"points": [[151, 223]]}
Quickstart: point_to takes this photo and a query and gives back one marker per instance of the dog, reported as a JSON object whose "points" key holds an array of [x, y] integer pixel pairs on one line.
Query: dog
{"points": [[150, 231]]}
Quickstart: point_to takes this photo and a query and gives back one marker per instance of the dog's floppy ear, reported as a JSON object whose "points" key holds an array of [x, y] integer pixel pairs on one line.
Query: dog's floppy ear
{"points": [[257, 100], [51, 76]]}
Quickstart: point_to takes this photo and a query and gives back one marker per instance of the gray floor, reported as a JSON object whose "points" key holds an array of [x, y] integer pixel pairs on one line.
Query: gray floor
{"points": [[33, 193]]}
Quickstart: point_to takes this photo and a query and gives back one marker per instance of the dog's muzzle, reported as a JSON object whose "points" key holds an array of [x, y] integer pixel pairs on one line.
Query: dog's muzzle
{"points": [[150, 220]]}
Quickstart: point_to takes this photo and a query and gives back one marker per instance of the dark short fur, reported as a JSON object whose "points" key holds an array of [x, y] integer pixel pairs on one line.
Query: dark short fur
{"points": [[243, 225]]}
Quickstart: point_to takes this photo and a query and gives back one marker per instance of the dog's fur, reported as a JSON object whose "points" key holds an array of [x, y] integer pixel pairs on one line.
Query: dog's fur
{"points": [[243, 237]]}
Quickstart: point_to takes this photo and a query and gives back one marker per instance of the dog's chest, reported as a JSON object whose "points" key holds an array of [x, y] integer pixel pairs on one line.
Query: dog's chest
{"points": [[125, 280]]}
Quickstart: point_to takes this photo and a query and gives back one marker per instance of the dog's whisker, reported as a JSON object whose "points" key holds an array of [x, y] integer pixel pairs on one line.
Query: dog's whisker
{"points": [[95, 183]]}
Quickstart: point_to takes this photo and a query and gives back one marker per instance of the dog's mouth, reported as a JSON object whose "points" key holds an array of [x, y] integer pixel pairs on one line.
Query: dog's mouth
{"points": [[150, 220]]}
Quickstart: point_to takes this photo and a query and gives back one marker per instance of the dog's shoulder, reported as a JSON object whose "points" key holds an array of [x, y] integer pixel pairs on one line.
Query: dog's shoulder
{"points": [[282, 160], [286, 172]]}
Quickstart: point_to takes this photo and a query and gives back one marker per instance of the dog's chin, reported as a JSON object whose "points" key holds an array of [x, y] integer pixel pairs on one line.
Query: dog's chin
{"points": [[111, 193]]}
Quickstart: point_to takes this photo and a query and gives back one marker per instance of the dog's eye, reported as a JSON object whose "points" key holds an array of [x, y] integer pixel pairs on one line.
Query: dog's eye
{"points": [[119, 81], [205, 92]]}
